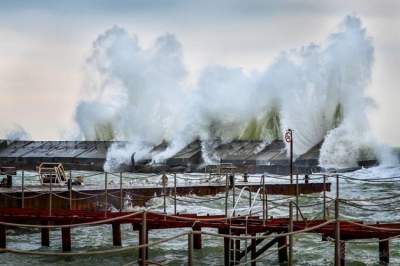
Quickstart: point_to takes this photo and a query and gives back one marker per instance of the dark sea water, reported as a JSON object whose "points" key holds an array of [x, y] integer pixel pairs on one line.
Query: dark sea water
{"points": [[309, 249]]}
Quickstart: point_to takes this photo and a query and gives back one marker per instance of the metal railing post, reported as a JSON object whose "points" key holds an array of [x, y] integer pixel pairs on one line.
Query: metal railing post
{"points": [[51, 194], [105, 194], [250, 201], [324, 199], [337, 227], [121, 193], [264, 200], [70, 193], [164, 183], [233, 193], [297, 197], [175, 193], [23, 189], [226, 195], [70, 189], [290, 229]]}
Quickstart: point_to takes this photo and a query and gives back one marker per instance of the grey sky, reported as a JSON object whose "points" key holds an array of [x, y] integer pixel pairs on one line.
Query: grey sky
{"points": [[44, 44]]}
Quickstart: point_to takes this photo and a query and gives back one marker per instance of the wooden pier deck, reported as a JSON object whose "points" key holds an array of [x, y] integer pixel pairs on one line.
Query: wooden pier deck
{"points": [[236, 226], [85, 197]]}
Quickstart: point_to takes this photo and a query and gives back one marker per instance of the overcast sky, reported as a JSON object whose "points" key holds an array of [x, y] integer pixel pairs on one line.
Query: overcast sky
{"points": [[44, 44]]}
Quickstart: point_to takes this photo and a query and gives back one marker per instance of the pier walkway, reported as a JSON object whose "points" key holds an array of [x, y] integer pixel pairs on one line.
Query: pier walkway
{"points": [[248, 237]]}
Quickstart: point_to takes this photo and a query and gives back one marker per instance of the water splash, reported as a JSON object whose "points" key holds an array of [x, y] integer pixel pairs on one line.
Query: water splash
{"points": [[142, 95]]}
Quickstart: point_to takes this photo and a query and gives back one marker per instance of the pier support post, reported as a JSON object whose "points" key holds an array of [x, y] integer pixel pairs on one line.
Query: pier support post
{"points": [[383, 252], [197, 238], [190, 249], [66, 239], [3, 236], [226, 246], [143, 252], [116, 233], [45, 235], [237, 251], [143, 239], [253, 251], [282, 250], [342, 252]]}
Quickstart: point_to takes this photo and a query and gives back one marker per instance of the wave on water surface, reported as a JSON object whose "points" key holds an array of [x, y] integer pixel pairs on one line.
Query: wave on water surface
{"points": [[142, 95]]}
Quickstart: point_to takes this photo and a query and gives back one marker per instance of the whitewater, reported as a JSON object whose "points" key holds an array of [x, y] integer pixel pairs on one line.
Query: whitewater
{"points": [[142, 95]]}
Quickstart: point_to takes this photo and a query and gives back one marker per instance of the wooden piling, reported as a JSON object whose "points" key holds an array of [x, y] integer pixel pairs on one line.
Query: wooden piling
{"points": [[143, 239], [116, 233], [384, 253], [342, 253], [237, 251], [190, 249], [253, 247], [226, 246], [66, 239], [197, 238], [45, 235], [3, 236], [282, 250]]}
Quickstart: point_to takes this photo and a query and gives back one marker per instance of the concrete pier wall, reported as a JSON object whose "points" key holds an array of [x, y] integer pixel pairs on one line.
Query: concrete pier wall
{"points": [[250, 156]]}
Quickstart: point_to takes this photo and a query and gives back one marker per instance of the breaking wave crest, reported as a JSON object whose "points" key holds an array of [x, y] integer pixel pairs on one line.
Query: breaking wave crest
{"points": [[142, 95]]}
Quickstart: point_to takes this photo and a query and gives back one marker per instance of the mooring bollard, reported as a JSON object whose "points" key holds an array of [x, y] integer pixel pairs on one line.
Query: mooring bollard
{"points": [[23, 189]]}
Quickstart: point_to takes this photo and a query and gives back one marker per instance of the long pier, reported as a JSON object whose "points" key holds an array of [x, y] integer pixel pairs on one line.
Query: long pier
{"points": [[113, 192], [235, 228]]}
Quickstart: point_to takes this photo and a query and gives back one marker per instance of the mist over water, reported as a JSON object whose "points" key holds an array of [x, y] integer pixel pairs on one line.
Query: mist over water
{"points": [[143, 95]]}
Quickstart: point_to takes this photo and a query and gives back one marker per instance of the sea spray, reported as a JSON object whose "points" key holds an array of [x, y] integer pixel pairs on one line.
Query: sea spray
{"points": [[141, 95], [17, 132]]}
